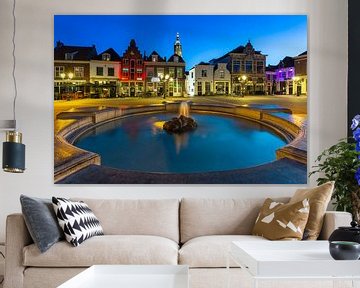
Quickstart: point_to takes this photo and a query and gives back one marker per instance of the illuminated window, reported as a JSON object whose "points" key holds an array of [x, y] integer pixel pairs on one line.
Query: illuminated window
{"points": [[106, 57], [79, 72], [125, 72], [172, 72], [160, 71], [99, 71], [111, 71], [199, 88], [222, 74], [179, 72], [154, 58], [58, 70], [139, 73], [203, 73], [207, 88]]}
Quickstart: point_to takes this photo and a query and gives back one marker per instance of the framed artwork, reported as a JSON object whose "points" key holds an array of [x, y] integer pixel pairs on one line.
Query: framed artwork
{"points": [[180, 99]]}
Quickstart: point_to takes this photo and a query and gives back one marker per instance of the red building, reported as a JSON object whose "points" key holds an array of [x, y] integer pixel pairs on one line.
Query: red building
{"points": [[132, 75]]}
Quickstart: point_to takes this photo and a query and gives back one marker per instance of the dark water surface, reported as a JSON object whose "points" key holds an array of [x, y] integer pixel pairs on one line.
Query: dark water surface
{"points": [[219, 143]]}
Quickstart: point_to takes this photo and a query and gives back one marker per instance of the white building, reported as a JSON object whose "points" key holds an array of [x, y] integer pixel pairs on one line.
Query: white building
{"points": [[201, 80], [104, 74], [190, 82], [222, 79]]}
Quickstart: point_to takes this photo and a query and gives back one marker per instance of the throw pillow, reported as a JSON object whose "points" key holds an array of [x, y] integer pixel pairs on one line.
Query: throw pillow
{"points": [[319, 198], [77, 220], [41, 222], [279, 221]]}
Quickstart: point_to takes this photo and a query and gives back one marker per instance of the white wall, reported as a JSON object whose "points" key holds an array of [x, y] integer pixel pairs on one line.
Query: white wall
{"points": [[327, 86]]}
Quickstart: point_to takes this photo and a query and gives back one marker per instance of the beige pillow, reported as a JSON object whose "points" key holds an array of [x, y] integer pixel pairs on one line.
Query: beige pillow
{"points": [[319, 198], [279, 221]]}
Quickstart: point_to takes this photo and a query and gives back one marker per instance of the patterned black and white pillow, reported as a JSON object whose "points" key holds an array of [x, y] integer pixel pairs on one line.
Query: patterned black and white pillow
{"points": [[77, 220]]}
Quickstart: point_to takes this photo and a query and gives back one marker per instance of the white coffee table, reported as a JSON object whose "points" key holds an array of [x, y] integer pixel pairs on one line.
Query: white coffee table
{"points": [[131, 276], [293, 260]]}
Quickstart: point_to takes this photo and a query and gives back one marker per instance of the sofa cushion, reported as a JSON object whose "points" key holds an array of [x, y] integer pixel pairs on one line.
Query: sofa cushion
{"points": [[319, 198], [201, 217], [107, 249], [76, 220], [211, 251], [158, 217], [41, 221], [279, 221]]}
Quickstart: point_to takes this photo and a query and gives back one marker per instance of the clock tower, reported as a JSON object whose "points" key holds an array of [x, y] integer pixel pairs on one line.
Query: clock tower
{"points": [[177, 46]]}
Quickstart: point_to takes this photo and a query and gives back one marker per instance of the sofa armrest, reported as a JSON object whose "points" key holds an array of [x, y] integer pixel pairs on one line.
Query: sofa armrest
{"points": [[17, 237], [333, 220]]}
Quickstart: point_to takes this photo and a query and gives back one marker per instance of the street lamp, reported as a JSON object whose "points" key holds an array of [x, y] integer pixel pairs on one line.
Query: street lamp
{"points": [[166, 79], [70, 76], [242, 81], [296, 83]]}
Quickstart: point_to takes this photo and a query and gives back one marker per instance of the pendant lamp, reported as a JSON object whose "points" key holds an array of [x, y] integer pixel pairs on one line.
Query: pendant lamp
{"points": [[13, 149]]}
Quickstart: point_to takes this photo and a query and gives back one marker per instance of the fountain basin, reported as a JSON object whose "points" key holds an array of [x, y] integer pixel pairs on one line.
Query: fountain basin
{"points": [[67, 132], [220, 143]]}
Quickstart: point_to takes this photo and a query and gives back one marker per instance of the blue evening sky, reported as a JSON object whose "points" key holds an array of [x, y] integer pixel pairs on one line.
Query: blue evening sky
{"points": [[203, 37]]}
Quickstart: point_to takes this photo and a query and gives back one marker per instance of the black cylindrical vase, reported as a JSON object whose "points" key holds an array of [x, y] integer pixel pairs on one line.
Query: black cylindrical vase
{"points": [[13, 153]]}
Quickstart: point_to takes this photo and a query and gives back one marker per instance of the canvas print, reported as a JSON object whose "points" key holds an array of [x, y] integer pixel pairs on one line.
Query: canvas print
{"points": [[180, 99]]}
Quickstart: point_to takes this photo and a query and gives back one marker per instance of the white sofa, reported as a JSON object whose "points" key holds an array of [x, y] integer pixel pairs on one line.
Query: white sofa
{"points": [[194, 232]]}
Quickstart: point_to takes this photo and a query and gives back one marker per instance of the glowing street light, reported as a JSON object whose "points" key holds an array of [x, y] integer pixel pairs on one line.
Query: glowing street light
{"points": [[166, 79], [70, 76], [242, 81], [296, 80]]}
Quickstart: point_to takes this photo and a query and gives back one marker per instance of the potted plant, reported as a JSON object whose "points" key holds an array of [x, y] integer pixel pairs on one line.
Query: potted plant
{"points": [[341, 163]]}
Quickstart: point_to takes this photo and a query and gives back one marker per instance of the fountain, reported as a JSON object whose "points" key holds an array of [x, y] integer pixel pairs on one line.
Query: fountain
{"points": [[184, 109], [181, 124]]}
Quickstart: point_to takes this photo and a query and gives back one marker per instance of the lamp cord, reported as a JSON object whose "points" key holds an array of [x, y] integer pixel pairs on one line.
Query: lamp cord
{"points": [[14, 61]]}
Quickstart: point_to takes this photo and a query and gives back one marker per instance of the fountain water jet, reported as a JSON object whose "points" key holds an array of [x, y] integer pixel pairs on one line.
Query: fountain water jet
{"points": [[181, 124], [184, 109]]}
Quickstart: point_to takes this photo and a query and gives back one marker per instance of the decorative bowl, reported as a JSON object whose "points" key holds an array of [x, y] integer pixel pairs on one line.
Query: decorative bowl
{"points": [[344, 250]]}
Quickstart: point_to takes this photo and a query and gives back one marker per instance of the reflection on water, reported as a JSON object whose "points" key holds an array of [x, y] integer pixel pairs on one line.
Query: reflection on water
{"points": [[219, 143], [181, 141]]}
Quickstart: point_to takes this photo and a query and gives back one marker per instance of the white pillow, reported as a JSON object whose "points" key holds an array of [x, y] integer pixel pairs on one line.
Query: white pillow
{"points": [[76, 220]]}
